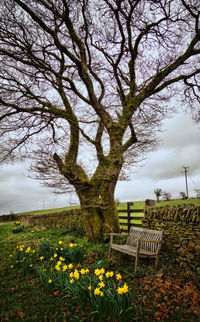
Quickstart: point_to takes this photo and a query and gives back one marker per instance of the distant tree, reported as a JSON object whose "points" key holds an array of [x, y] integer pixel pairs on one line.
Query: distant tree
{"points": [[166, 195], [197, 193], [81, 76], [183, 195], [158, 193]]}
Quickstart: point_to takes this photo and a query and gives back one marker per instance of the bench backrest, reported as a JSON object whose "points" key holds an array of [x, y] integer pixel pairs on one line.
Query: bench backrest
{"points": [[145, 234]]}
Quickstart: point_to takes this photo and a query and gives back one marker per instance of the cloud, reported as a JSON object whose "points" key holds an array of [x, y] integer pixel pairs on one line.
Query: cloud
{"points": [[20, 193], [180, 132], [179, 147]]}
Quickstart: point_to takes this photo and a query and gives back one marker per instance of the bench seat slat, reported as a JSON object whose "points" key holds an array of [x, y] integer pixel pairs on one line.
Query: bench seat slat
{"points": [[130, 250]]}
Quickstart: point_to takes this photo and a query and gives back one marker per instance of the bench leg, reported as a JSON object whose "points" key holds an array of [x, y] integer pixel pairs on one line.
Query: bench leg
{"points": [[136, 262], [156, 262], [110, 252]]}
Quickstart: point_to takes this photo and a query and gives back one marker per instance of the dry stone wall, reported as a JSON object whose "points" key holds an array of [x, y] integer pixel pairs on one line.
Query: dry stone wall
{"points": [[181, 225], [69, 219]]}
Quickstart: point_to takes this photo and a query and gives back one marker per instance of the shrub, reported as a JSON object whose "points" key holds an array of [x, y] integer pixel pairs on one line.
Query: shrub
{"points": [[18, 228]]}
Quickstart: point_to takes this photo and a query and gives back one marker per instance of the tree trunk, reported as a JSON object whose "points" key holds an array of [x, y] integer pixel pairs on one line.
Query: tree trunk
{"points": [[99, 213], [96, 195]]}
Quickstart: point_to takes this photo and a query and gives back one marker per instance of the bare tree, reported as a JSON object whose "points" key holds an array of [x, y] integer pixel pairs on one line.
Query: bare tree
{"points": [[158, 193], [81, 76], [166, 195], [183, 195]]}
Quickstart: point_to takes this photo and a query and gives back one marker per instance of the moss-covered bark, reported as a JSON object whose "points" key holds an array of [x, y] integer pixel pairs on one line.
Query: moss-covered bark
{"points": [[99, 213]]}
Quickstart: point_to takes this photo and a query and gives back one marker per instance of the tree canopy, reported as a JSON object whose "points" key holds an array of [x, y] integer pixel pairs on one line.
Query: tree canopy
{"points": [[96, 75]]}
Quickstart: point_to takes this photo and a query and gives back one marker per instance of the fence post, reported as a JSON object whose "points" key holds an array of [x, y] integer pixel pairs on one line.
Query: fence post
{"points": [[129, 215]]}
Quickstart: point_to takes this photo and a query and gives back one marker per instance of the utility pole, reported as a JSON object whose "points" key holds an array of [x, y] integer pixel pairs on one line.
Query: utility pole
{"points": [[186, 184]]}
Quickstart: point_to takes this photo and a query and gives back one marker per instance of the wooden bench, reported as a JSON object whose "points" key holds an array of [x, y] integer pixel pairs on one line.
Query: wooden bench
{"points": [[140, 243]]}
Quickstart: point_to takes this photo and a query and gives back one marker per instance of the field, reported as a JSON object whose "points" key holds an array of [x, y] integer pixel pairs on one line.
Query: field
{"points": [[123, 205], [169, 294]]}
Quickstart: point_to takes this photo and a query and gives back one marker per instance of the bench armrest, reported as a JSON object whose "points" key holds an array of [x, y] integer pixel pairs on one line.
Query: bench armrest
{"points": [[115, 234], [120, 234]]}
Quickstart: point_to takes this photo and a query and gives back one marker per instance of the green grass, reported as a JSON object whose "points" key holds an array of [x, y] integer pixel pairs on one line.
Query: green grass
{"points": [[176, 202], [47, 211], [23, 298]]}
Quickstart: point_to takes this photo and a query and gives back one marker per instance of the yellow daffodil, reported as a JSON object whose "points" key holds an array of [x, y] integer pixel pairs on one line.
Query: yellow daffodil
{"points": [[55, 255], [97, 291], [89, 287], [61, 259], [64, 268], [51, 259], [71, 274], [31, 265], [71, 245], [57, 268], [60, 242], [76, 274], [125, 288], [102, 270], [61, 248], [118, 276], [70, 266], [71, 281], [49, 281], [11, 266], [101, 284], [59, 263], [109, 274], [100, 277], [97, 272], [41, 258], [101, 294], [120, 290]]}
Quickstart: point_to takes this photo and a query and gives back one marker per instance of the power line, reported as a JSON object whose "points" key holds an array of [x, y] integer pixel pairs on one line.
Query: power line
{"points": [[197, 187]]}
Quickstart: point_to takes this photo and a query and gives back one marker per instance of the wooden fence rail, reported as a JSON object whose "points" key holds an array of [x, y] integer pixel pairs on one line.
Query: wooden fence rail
{"points": [[128, 217]]}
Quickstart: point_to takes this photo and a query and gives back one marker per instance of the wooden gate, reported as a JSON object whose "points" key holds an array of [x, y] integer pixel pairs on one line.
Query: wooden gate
{"points": [[126, 220]]}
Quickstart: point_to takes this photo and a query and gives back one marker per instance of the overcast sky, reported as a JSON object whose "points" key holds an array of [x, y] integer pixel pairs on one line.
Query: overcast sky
{"points": [[180, 146]]}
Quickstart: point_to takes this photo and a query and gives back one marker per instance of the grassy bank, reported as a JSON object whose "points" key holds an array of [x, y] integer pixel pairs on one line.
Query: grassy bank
{"points": [[168, 294]]}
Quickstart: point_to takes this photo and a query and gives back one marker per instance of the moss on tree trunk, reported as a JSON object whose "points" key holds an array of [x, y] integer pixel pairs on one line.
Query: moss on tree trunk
{"points": [[99, 215]]}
